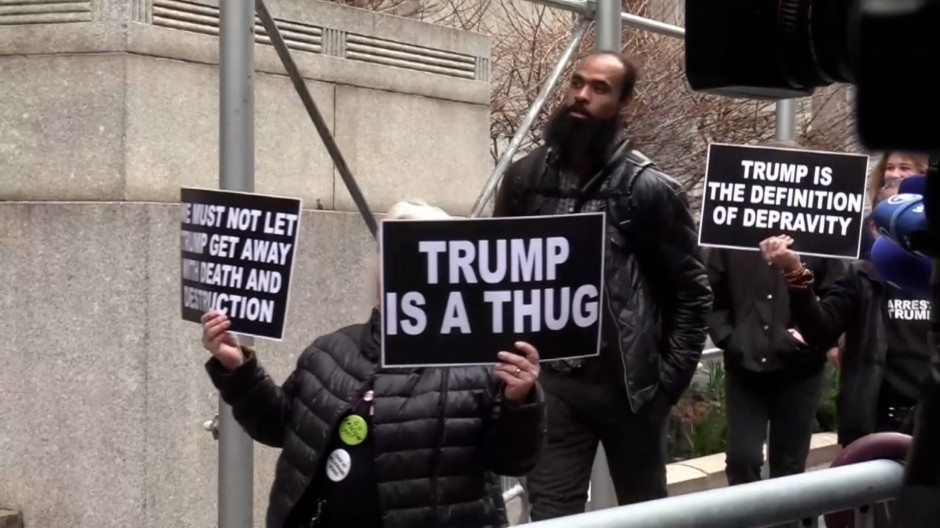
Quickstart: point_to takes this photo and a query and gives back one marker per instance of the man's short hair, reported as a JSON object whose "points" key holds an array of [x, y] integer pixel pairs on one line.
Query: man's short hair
{"points": [[630, 73]]}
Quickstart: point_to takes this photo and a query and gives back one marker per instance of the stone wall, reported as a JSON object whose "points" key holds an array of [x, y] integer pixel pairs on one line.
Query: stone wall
{"points": [[123, 105], [108, 107]]}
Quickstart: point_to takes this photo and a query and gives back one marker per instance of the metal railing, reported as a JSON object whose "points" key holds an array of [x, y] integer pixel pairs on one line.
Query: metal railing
{"points": [[511, 486], [855, 487]]}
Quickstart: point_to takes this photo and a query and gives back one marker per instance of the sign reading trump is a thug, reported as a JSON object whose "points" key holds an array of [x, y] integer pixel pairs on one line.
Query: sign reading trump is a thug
{"points": [[237, 257], [457, 292]]}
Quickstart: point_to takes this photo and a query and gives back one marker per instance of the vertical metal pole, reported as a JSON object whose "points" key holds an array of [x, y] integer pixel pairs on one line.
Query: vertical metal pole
{"points": [[237, 173], [603, 494], [785, 130], [609, 26], [506, 159], [786, 119]]}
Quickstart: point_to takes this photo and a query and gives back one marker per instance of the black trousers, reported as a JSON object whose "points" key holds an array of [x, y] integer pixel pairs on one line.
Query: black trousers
{"points": [[581, 413], [789, 403]]}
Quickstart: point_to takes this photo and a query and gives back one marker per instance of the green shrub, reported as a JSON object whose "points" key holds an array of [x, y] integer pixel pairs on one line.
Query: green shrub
{"points": [[698, 425]]}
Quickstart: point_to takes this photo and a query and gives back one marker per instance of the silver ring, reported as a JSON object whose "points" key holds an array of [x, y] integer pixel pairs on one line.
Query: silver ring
{"points": [[518, 371]]}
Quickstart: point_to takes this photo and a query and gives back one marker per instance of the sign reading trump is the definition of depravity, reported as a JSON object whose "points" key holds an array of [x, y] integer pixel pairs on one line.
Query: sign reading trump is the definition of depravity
{"points": [[457, 292], [752, 193], [237, 257]]}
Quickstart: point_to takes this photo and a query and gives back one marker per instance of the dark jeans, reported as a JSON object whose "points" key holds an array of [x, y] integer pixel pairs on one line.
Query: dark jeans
{"points": [[789, 403], [581, 413]]}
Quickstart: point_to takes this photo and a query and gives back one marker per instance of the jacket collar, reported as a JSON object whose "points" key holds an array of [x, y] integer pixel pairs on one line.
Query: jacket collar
{"points": [[371, 343]]}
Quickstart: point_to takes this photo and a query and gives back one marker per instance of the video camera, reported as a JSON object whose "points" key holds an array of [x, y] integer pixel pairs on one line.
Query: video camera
{"points": [[781, 49]]}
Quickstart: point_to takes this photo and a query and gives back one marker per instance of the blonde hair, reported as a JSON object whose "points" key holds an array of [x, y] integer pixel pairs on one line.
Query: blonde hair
{"points": [[877, 179], [403, 210], [416, 210]]}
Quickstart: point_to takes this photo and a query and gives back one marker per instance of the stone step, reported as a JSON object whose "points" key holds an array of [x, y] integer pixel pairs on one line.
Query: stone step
{"points": [[10, 519]]}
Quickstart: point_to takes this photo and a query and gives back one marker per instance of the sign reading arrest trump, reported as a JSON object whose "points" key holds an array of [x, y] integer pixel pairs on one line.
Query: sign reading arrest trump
{"points": [[457, 292], [238, 254], [752, 193]]}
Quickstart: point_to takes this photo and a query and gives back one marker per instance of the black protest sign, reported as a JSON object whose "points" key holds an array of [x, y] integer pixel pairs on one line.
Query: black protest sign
{"points": [[752, 193], [238, 256], [456, 292]]}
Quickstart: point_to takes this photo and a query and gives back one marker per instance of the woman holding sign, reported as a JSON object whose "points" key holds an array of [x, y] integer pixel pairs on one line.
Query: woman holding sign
{"points": [[370, 447]]}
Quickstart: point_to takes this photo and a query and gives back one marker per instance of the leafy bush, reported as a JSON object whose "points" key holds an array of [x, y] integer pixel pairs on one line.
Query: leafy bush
{"points": [[699, 422]]}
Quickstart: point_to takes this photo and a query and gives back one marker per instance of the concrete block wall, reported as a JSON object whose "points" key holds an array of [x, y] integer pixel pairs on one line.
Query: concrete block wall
{"points": [[125, 106], [108, 107]]}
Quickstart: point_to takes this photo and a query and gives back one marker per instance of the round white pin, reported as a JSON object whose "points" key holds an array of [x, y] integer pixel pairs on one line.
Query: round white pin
{"points": [[337, 465]]}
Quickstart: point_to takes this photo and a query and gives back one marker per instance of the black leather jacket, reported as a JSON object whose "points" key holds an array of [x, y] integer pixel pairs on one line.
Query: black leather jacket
{"points": [[657, 292], [439, 432]]}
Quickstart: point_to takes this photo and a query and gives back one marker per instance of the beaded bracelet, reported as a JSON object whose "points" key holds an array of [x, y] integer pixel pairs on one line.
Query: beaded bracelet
{"points": [[800, 279]]}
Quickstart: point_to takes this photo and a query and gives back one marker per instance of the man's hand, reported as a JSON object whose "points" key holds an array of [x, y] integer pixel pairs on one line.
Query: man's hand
{"points": [[776, 251], [219, 341], [519, 373]]}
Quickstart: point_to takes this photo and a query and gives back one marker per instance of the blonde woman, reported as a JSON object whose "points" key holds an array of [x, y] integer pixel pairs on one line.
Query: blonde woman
{"points": [[891, 169], [394, 448]]}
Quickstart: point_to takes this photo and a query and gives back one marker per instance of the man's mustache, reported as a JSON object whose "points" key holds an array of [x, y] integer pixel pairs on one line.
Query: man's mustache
{"points": [[579, 109]]}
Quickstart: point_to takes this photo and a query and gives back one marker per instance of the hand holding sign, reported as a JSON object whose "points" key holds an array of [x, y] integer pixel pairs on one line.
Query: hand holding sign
{"points": [[219, 341], [519, 372], [776, 250]]}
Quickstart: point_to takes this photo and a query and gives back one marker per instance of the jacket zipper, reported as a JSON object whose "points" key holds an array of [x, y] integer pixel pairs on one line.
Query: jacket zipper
{"points": [[436, 454]]}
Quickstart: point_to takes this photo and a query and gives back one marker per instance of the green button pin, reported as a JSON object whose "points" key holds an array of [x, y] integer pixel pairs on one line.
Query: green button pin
{"points": [[353, 430]]}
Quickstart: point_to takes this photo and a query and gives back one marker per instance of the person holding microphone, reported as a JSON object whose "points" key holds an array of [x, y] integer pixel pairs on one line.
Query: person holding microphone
{"points": [[371, 447]]}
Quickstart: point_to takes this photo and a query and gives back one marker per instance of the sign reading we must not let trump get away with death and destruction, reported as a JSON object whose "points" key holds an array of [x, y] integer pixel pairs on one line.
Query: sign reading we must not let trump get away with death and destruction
{"points": [[237, 257], [752, 193]]}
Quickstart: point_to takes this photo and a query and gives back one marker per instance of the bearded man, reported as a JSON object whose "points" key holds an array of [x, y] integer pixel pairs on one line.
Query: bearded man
{"points": [[656, 295]]}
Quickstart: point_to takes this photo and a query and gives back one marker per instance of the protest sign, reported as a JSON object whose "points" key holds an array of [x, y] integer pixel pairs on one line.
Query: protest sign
{"points": [[752, 193], [457, 292], [238, 256]]}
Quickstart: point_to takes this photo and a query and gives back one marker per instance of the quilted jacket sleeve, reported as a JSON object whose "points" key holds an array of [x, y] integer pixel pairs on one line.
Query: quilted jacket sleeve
{"points": [[259, 405], [515, 434]]}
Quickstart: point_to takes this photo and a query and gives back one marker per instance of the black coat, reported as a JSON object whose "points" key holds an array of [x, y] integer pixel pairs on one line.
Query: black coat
{"points": [[855, 305], [752, 314], [657, 295], [440, 434]]}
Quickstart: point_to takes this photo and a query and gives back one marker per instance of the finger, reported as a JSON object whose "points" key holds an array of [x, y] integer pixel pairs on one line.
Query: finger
{"points": [[514, 359], [510, 381], [787, 241], [211, 314], [217, 331], [215, 319], [214, 324], [510, 369], [531, 353]]}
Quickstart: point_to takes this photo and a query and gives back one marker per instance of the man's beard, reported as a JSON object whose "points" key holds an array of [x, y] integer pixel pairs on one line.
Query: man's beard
{"points": [[581, 138]]}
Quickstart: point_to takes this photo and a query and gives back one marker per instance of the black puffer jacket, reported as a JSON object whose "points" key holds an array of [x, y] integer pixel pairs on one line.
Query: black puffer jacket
{"points": [[439, 433], [657, 292]]}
